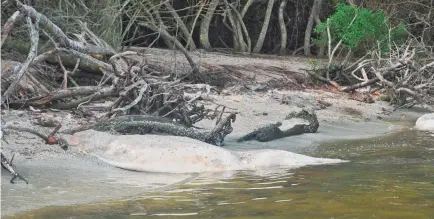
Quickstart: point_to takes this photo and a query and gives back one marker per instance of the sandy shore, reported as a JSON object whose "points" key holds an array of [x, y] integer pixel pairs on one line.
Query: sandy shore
{"points": [[59, 177]]}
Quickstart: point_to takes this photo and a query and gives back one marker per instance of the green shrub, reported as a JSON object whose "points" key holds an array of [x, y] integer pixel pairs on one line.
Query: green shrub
{"points": [[359, 28]]}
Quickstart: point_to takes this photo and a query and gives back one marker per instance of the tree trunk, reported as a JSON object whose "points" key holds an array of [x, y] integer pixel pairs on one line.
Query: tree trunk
{"points": [[239, 35], [239, 44], [193, 25], [264, 29], [323, 35], [308, 33], [283, 33], [246, 7], [204, 26], [184, 30], [242, 26]]}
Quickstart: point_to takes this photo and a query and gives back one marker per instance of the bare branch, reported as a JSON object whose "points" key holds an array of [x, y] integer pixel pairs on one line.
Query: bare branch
{"points": [[34, 38]]}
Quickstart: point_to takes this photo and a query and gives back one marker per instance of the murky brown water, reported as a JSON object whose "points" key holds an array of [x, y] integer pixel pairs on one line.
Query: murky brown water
{"points": [[388, 177]]}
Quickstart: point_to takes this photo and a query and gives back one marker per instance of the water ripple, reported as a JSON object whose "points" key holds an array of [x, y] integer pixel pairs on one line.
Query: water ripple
{"points": [[173, 214]]}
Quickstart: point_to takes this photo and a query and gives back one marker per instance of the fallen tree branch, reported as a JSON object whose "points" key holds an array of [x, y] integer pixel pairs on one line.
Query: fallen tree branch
{"points": [[7, 27], [223, 128], [104, 92], [141, 88], [156, 125], [321, 78], [135, 101], [7, 165], [60, 36], [55, 96], [383, 72], [34, 38]]}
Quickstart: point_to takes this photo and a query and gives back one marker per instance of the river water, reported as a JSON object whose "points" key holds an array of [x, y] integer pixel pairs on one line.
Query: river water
{"points": [[388, 177]]}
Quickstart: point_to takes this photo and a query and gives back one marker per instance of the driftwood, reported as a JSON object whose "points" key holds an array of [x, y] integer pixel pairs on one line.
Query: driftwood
{"points": [[34, 37], [142, 125], [61, 37], [48, 139], [140, 88], [27, 84], [405, 75], [273, 132], [146, 98], [7, 165]]}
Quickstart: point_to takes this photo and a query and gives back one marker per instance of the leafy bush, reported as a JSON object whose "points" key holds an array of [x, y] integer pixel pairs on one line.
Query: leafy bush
{"points": [[360, 27]]}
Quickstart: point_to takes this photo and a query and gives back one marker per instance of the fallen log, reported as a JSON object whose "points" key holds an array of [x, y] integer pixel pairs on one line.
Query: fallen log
{"points": [[142, 125], [273, 131], [48, 99]]}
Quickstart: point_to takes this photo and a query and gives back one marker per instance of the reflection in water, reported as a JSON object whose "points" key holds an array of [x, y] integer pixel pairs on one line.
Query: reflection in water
{"points": [[388, 177]]}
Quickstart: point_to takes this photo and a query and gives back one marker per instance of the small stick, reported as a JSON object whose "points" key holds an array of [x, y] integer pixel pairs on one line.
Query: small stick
{"points": [[65, 72], [8, 166], [31, 131], [55, 130], [28, 130]]}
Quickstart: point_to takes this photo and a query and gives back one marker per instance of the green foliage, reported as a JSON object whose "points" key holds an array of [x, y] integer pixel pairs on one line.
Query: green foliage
{"points": [[358, 27]]}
